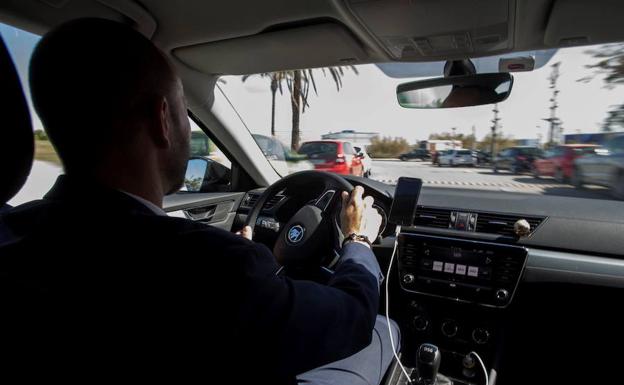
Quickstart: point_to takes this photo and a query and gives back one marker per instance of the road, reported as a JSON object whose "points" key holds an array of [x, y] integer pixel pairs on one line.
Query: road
{"points": [[44, 174], [479, 178]]}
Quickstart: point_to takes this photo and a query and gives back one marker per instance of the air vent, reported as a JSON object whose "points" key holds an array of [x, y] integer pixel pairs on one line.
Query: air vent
{"points": [[503, 224], [250, 200], [432, 217], [273, 201]]}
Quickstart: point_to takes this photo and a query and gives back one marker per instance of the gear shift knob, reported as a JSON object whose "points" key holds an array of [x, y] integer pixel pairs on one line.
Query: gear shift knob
{"points": [[427, 364]]}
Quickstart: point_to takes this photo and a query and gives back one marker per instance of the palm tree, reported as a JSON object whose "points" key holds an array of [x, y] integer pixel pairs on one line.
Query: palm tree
{"points": [[276, 79], [298, 83]]}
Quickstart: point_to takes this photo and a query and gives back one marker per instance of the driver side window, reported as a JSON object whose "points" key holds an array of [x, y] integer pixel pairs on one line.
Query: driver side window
{"points": [[208, 168]]}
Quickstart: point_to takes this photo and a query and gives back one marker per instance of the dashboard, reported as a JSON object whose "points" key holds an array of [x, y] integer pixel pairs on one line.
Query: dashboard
{"points": [[464, 279]]}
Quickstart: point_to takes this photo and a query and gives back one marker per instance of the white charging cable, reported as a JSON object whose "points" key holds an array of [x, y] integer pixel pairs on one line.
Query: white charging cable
{"points": [[394, 351], [487, 381]]}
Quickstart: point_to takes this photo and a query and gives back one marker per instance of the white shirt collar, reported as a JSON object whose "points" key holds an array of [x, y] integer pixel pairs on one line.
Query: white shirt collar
{"points": [[155, 209]]}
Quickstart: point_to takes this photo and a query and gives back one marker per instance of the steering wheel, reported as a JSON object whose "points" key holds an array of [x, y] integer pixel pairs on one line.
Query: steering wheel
{"points": [[311, 238]]}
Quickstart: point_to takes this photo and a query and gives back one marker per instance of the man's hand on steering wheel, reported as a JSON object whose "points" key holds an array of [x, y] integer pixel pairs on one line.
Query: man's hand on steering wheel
{"points": [[358, 216], [246, 232]]}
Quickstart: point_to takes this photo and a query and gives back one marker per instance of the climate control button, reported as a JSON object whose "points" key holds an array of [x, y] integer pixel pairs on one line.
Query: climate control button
{"points": [[449, 328], [502, 295], [481, 336], [421, 323]]}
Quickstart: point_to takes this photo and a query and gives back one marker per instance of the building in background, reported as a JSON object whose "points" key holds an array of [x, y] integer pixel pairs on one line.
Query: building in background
{"points": [[528, 142], [440, 144], [361, 138], [589, 138]]}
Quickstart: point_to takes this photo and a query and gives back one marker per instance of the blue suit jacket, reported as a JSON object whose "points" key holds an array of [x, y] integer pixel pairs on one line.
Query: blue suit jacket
{"points": [[99, 284]]}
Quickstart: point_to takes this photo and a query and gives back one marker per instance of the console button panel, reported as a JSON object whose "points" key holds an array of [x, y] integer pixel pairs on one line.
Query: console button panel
{"points": [[463, 270]]}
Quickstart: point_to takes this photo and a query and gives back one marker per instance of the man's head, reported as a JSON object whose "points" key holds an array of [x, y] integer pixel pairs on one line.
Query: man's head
{"points": [[108, 97]]}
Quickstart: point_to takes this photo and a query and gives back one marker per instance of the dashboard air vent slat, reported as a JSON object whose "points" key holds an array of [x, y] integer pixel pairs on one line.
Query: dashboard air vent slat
{"points": [[489, 223], [503, 224], [250, 200], [432, 217], [273, 201]]}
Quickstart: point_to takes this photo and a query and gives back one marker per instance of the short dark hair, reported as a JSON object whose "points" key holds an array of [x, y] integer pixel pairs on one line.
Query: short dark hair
{"points": [[90, 79]]}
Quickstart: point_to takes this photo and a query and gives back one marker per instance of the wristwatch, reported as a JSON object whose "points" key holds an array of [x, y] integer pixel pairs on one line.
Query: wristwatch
{"points": [[357, 237]]}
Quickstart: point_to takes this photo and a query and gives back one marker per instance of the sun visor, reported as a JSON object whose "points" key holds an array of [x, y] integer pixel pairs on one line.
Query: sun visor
{"points": [[582, 22], [320, 45]]}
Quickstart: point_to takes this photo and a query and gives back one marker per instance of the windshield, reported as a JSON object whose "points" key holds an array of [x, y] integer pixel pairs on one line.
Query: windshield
{"points": [[574, 96]]}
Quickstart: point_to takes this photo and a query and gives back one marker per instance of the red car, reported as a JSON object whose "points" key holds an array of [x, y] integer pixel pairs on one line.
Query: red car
{"points": [[333, 156], [558, 162]]}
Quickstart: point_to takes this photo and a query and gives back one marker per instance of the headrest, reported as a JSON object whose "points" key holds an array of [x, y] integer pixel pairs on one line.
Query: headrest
{"points": [[16, 134]]}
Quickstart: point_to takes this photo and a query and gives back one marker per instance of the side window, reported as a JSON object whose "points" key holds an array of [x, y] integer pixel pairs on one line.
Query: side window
{"points": [[208, 168], [47, 165], [348, 148], [616, 145]]}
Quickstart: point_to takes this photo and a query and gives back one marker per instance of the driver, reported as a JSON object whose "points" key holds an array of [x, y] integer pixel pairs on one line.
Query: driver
{"points": [[112, 288]]}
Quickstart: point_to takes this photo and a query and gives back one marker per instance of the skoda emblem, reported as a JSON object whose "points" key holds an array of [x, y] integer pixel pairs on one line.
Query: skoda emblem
{"points": [[295, 234]]}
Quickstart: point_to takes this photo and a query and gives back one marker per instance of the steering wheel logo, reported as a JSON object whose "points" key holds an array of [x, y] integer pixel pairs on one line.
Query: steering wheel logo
{"points": [[295, 234]]}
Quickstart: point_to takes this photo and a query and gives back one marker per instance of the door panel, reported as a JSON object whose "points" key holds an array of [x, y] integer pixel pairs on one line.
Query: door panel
{"points": [[215, 209]]}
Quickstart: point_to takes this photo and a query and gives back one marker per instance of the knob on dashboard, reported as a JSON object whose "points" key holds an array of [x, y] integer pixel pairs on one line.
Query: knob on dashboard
{"points": [[408, 278], [481, 336], [502, 295], [449, 328], [421, 323]]}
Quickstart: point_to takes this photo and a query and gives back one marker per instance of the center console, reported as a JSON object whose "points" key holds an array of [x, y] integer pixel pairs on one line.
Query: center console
{"points": [[454, 295], [451, 298], [467, 271]]}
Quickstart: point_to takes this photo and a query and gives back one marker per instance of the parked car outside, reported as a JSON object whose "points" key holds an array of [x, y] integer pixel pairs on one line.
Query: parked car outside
{"points": [[558, 162], [417, 153], [482, 157], [283, 160], [333, 156], [367, 161], [458, 157], [517, 159], [435, 156], [604, 166]]}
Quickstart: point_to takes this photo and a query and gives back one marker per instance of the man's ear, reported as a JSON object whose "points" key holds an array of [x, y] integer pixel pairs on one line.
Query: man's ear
{"points": [[160, 130]]}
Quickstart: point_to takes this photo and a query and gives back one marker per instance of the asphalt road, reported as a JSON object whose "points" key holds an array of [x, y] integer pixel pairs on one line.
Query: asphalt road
{"points": [[479, 178]]}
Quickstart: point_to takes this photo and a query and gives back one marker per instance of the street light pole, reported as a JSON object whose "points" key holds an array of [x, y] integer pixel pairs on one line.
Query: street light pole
{"points": [[453, 137], [493, 144]]}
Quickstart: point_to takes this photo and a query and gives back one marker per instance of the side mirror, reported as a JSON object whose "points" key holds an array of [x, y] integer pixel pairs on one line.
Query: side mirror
{"points": [[455, 91], [360, 155], [206, 175], [196, 170]]}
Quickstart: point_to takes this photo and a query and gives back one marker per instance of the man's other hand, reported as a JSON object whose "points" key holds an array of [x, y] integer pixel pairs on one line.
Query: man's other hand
{"points": [[245, 232], [358, 214]]}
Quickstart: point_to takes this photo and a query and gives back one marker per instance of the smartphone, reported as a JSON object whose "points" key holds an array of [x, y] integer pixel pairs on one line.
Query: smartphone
{"points": [[405, 200]]}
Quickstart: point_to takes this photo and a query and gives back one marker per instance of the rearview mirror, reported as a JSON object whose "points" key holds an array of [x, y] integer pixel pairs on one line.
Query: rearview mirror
{"points": [[455, 91]]}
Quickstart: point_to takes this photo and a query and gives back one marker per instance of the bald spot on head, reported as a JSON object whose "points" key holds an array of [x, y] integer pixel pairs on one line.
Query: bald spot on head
{"points": [[94, 83]]}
